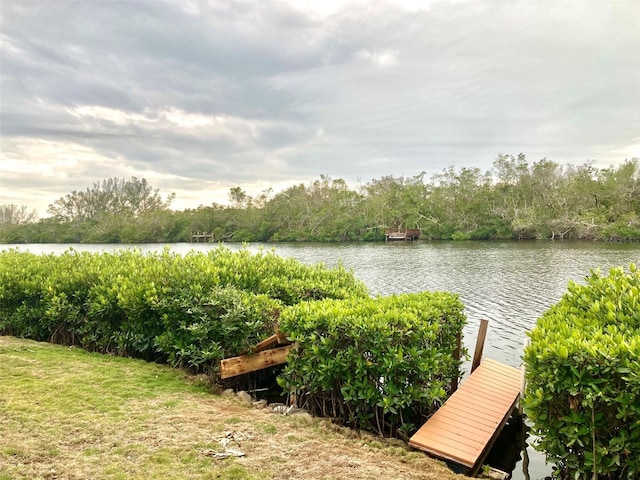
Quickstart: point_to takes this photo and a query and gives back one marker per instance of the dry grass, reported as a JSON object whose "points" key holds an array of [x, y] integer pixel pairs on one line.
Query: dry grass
{"points": [[67, 414]]}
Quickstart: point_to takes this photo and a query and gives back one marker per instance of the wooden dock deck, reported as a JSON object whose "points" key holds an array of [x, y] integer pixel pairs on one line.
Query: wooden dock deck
{"points": [[406, 234], [466, 426], [202, 237]]}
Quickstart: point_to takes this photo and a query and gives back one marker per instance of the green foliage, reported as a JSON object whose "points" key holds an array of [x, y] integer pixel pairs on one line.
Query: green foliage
{"points": [[201, 327], [517, 200], [625, 229], [117, 196], [459, 236], [12, 214], [287, 280], [382, 364], [191, 311], [583, 378], [321, 211]]}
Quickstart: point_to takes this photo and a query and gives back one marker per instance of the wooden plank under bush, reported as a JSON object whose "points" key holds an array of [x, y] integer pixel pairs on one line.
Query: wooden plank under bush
{"points": [[278, 338], [231, 367], [270, 342]]}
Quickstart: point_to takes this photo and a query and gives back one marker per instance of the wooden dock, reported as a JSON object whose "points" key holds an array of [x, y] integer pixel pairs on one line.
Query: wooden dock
{"points": [[463, 430], [202, 237], [406, 234]]}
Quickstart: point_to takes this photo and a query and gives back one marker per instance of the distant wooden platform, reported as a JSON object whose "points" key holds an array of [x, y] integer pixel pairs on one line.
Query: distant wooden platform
{"points": [[406, 234], [466, 426], [202, 237]]}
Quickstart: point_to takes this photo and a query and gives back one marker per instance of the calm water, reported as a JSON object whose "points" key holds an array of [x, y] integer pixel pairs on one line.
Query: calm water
{"points": [[508, 283]]}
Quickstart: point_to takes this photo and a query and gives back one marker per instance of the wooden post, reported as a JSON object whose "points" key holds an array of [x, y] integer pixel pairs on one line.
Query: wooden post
{"points": [[524, 382], [456, 355], [477, 354]]}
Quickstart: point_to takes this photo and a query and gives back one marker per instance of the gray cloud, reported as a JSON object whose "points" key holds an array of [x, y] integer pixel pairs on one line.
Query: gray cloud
{"points": [[197, 96]]}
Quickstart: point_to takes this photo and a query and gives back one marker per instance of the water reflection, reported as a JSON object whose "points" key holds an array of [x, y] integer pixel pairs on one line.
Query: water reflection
{"points": [[508, 450]]}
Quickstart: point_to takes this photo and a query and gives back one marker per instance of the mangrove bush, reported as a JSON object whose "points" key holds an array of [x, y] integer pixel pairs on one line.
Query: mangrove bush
{"points": [[583, 378], [516, 199], [381, 364], [189, 310]]}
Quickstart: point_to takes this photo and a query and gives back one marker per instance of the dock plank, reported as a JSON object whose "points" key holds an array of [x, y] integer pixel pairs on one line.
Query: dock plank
{"points": [[466, 426]]}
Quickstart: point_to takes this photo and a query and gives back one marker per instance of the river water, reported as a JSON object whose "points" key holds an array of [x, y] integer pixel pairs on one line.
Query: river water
{"points": [[508, 283]]}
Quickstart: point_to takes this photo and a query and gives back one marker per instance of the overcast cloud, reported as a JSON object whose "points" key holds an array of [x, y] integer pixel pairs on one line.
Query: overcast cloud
{"points": [[198, 97]]}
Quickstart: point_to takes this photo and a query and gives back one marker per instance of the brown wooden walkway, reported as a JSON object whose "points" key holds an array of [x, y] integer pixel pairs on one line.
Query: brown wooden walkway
{"points": [[465, 427]]}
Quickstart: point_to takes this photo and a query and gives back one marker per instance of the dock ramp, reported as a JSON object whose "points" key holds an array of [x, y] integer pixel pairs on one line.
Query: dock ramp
{"points": [[466, 426]]}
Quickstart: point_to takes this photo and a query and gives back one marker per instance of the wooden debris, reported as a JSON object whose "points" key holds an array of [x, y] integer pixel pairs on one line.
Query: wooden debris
{"points": [[278, 338], [281, 336], [270, 342], [263, 355], [229, 437], [231, 367]]}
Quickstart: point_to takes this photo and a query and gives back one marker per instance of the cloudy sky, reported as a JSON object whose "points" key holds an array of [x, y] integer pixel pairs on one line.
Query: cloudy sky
{"points": [[198, 97]]}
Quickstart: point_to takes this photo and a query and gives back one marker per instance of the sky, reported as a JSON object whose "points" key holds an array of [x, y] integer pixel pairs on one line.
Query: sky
{"points": [[200, 97]]}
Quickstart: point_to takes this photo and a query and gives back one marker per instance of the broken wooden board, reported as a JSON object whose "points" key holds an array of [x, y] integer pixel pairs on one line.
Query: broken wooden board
{"points": [[282, 337], [277, 338], [266, 344], [231, 367]]}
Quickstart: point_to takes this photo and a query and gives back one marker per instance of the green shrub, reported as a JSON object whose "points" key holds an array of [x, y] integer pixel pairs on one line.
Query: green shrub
{"points": [[621, 231], [382, 364], [285, 279], [583, 378], [191, 310], [24, 294], [201, 327], [459, 236]]}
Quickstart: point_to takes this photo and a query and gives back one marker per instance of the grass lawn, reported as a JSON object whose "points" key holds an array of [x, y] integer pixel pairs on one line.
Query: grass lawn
{"points": [[69, 414]]}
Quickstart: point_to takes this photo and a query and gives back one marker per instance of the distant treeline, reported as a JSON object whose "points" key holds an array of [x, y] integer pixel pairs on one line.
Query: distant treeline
{"points": [[516, 200]]}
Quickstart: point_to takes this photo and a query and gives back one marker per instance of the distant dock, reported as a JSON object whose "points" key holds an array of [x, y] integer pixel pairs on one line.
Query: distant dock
{"points": [[406, 234], [202, 237]]}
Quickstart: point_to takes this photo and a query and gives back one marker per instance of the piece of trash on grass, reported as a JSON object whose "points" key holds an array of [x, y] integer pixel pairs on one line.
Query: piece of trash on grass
{"points": [[228, 438], [229, 452]]}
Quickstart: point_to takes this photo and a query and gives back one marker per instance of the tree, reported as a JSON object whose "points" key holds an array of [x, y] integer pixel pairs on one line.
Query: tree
{"points": [[12, 214], [394, 202], [460, 203], [239, 198], [114, 196], [320, 211]]}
